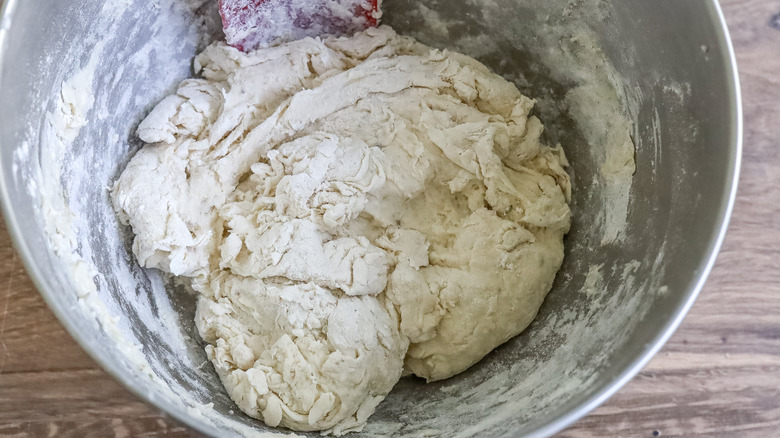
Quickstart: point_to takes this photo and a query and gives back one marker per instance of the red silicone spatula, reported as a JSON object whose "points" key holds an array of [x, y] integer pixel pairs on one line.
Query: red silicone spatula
{"points": [[250, 24]]}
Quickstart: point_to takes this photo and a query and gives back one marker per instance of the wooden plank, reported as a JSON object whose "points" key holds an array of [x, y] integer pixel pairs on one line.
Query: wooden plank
{"points": [[718, 376], [31, 339], [77, 403]]}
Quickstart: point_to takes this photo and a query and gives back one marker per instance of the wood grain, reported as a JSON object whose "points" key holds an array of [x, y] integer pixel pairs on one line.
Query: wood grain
{"points": [[718, 376]]}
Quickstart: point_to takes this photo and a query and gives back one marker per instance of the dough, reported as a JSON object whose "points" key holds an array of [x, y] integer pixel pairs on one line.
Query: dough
{"points": [[347, 208]]}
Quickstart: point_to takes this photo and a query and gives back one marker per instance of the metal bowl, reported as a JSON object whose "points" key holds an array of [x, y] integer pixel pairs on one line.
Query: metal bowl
{"points": [[77, 77]]}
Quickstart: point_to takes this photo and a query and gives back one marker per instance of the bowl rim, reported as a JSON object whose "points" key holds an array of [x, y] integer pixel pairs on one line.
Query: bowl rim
{"points": [[180, 413]]}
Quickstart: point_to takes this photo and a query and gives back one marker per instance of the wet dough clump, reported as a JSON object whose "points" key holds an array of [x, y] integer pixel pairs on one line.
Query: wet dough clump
{"points": [[347, 209]]}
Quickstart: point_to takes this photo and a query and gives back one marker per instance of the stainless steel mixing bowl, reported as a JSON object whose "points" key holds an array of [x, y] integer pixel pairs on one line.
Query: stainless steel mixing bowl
{"points": [[615, 302]]}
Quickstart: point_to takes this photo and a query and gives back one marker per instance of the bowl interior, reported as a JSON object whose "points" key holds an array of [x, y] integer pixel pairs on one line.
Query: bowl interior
{"points": [[614, 80]]}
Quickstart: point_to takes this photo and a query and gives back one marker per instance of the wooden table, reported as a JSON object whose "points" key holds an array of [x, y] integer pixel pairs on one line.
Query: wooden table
{"points": [[719, 374]]}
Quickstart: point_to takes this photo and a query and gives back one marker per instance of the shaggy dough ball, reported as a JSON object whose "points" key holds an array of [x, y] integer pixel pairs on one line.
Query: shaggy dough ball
{"points": [[345, 207]]}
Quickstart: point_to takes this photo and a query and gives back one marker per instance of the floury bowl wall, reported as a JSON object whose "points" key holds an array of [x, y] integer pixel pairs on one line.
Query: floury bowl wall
{"points": [[76, 77]]}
